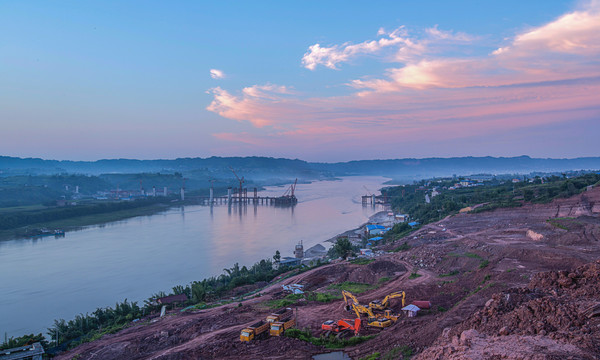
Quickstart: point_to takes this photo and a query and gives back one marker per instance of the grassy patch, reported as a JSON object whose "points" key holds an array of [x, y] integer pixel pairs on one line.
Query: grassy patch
{"points": [[414, 275], [280, 303], [330, 342], [403, 247], [355, 288], [373, 356], [383, 279], [442, 283], [361, 261], [556, 224], [484, 263], [400, 352], [321, 297], [451, 273]]}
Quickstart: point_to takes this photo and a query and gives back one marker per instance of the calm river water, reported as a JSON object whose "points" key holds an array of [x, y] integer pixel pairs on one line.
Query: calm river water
{"points": [[46, 279]]}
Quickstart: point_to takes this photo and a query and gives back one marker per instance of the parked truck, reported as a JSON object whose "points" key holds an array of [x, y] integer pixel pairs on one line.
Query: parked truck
{"points": [[279, 327], [257, 330], [280, 315]]}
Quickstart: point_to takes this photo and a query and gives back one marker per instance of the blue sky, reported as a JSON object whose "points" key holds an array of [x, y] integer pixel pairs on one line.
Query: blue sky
{"points": [[91, 80]]}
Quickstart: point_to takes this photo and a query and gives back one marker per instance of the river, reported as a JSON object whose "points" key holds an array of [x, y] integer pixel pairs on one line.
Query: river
{"points": [[52, 278]]}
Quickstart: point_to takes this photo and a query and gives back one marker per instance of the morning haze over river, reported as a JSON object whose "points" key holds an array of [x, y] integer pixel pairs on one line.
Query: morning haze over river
{"points": [[136, 258]]}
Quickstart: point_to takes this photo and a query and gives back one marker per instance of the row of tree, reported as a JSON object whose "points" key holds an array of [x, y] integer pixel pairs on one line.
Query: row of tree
{"points": [[102, 320]]}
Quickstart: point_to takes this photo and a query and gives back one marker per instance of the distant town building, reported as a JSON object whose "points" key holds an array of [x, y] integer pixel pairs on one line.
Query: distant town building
{"points": [[28, 352], [411, 310], [401, 217], [299, 251], [374, 229], [290, 261]]}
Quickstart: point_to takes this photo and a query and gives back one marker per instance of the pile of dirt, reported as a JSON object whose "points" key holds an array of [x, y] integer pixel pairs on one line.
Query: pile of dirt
{"points": [[369, 274], [556, 316]]}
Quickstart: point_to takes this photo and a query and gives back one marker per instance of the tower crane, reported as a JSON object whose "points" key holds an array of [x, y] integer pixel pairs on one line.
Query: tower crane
{"points": [[241, 182]]}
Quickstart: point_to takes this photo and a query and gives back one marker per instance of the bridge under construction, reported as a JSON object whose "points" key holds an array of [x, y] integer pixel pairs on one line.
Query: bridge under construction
{"points": [[240, 196]]}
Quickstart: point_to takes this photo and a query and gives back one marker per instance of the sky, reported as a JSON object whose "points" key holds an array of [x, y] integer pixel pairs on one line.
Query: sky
{"points": [[319, 81]]}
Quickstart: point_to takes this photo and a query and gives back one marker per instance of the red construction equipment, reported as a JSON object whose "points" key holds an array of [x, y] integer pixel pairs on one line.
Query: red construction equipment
{"points": [[342, 325]]}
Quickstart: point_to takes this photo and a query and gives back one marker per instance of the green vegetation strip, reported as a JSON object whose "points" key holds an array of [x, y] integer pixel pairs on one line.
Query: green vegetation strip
{"points": [[355, 288], [330, 342], [451, 273], [414, 275]]}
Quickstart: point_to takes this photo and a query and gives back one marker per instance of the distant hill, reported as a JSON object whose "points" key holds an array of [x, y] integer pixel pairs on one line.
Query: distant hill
{"points": [[260, 169], [430, 167]]}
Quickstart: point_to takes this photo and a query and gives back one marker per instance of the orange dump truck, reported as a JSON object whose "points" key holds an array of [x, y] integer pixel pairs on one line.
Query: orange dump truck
{"points": [[280, 315], [279, 327], [255, 331]]}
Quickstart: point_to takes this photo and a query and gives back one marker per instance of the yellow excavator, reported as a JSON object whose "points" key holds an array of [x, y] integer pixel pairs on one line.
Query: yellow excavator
{"points": [[372, 320], [383, 304], [350, 299]]}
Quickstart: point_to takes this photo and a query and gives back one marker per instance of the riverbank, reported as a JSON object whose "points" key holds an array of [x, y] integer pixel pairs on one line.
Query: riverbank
{"points": [[80, 222], [376, 218]]}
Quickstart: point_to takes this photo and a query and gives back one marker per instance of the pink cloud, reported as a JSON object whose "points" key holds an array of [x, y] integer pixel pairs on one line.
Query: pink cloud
{"points": [[546, 75]]}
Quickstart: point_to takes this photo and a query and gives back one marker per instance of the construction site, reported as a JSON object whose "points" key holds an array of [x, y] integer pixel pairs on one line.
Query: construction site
{"points": [[513, 283]]}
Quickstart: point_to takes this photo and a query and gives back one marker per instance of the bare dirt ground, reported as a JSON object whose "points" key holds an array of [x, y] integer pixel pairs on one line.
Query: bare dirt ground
{"points": [[480, 274]]}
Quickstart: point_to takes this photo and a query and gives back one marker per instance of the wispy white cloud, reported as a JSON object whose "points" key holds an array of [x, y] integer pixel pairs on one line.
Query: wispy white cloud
{"points": [[331, 56], [403, 47], [217, 74], [436, 33]]}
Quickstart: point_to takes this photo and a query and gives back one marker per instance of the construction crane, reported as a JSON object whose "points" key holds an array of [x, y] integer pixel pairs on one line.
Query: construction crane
{"points": [[290, 191], [383, 304], [212, 191], [372, 320], [241, 182]]}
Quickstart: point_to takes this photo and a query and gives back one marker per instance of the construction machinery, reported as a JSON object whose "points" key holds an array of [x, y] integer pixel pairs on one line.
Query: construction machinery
{"points": [[383, 304], [341, 326], [349, 299], [279, 327], [288, 197], [241, 190], [257, 330], [372, 320], [389, 315], [280, 315]]}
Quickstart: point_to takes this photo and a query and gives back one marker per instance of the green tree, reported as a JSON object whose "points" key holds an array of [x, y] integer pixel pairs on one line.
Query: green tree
{"points": [[277, 256], [342, 248]]}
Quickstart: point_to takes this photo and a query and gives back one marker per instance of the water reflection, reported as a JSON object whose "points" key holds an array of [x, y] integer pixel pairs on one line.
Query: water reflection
{"points": [[135, 258]]}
